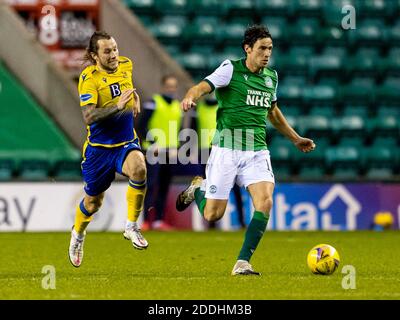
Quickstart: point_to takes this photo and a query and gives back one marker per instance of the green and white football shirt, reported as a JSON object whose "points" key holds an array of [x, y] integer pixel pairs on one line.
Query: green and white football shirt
{"points": [[244, 99]]}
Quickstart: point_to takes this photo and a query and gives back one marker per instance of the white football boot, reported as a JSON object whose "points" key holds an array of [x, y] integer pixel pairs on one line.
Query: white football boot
{"points": [[186, 197], [244, 268], [75, 251], [133, 234]]}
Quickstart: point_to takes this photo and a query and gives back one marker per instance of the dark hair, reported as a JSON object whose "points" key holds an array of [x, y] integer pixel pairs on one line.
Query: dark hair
{"points": [[93, 45], [254, 33]]}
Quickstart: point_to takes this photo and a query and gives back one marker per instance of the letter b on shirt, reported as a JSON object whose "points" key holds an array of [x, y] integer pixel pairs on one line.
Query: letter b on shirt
{"points": [[115, 90]]}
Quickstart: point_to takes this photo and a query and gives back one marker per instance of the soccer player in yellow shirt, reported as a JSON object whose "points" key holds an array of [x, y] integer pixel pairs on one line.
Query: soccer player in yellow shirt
{"points": [[109, 104]]}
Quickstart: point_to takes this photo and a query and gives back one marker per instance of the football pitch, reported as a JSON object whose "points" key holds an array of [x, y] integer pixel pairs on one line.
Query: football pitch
{"points": [[189, 265]]}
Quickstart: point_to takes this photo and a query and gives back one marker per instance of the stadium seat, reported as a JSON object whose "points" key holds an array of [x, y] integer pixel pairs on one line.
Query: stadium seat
{"points": [[239, 8], [171, 7], [388, 93], [314, 126], [360, 90], [7, 167], [332, 36], [348, 126], [293, 63], [383, 110], [391, 63], [375, 9], [169, 29], [312, 172], [194, 63], [320, 94], [140, 7], [343, 162], [304, 31], [35, 168], [202, 30], [360, 110], [67, 170], [231, 33], [206, 8], [369, 32], [393, 34], [384, 126], [325, 65], [307, 8], [332, 11], [274, 7], [289, 93], [363, 63], [378, 162], [326, 111], [277, 27]]}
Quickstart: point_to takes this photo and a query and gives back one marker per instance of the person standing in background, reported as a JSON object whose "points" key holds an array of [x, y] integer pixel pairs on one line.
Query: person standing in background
{"points": [[161, 122]]}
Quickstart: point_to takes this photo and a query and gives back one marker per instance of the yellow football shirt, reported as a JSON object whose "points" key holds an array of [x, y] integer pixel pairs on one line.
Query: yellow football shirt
{"points": [[103, 89]]}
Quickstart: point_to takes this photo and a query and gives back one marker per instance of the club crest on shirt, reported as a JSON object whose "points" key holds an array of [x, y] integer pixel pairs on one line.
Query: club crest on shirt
{"points": [[268, 82]]}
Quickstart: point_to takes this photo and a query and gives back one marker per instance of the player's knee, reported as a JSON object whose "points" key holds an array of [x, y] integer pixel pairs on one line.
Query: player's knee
{"points": [[138, 173], [93, 205], [213, 214], [264, 204]]}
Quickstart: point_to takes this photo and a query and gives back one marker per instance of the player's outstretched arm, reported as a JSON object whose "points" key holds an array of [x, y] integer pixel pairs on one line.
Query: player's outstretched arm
{"points": [[278, 120], [92, 114], [194, 93]]}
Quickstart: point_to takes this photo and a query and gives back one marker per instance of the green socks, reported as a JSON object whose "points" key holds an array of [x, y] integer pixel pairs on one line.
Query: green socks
{"points": [[253, 235], [200, 198]]}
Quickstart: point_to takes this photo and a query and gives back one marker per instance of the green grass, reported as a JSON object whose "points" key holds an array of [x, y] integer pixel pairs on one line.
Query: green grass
{"points": [[188, 265]]}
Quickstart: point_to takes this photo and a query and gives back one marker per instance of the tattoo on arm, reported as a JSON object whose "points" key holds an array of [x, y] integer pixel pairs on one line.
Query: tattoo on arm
{"points": [[92, 114]]}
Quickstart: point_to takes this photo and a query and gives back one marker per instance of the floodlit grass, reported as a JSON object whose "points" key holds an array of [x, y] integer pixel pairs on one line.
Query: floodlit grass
{"points": [[189, 265]]}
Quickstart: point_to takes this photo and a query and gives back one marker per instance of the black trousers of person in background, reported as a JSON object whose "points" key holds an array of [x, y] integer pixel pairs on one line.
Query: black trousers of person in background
{"points": [[159, 177]]}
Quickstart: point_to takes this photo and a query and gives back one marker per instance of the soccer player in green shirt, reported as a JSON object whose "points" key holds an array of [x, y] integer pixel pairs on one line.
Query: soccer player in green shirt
{"points": [[246, 94]]}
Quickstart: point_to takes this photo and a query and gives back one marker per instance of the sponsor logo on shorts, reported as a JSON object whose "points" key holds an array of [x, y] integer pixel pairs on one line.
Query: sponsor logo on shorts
{"points": [[213, 189]]}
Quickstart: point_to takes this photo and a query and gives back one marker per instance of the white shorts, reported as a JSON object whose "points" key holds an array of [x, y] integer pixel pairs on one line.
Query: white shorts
{"points": [[226, 167]]}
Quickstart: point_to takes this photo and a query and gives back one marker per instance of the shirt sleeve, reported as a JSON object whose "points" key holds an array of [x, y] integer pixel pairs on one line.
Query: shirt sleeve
{"points": [[274, 97], [222, 76], [87, 90]]}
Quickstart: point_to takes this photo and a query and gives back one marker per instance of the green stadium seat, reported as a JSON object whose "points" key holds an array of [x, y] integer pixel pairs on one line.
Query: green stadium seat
{"points": [[388, 93], [356, 141], [214, 60], [140, 7], [393, 34], [343, 162], [320, 94], [172, 7], [289, 93], [172, 49], [348, 126], [332, 11], [379, 162], [194, 63], [147, 21], [388, 141], [364, 63], [314, 126], [307, 8], [374, 9], [34, 168], [206, 7], [356, 110], [358, 91], [304, 31], [325, 65], [169, 29], [239, 8], [384, 126], [312, 172], [292, 64], [332, 36], [391, 64], [231, 33], [276, 27], [67, 170], [274, 7], [326, 111], [202, 30], [7, 167], [369, 32], [383, 110]]}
